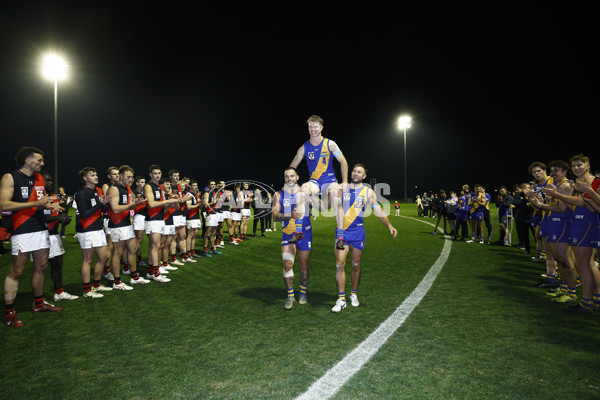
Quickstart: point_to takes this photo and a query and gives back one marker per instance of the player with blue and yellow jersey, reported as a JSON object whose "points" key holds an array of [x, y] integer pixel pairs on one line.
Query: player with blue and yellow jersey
{"points": [[319, 153], [291, 207], [558, 227], [539, 222], [355, 199], [477, 203], [584, 231]]}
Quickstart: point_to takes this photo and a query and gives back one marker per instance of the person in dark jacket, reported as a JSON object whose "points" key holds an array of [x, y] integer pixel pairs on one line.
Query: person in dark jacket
{"points": [[522, 213]]}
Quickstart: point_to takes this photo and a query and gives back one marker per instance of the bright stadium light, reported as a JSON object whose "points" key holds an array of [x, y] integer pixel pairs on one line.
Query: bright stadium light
{"points": [[54, 68], [404, 122]]}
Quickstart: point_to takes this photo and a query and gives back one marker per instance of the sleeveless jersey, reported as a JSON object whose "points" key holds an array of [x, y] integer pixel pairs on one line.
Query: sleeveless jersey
{"points": [[155, 213], [90, 210], [225, 200], [53, 225], [140, 208], [26, 189], [169, 212], [538, 189], [354, 202], [319, 159], [194, 213], [287, 203], [117, 220], [246, 194]]}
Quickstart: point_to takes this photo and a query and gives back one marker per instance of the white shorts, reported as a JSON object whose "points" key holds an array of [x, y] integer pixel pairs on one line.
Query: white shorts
{"points": [[246, 212], [168, 230], [212, 220], [221, 216], [226, 214], [179, 220], [194, 224], [88, 240], [139, 222], [236, 216], [56, 246], [26, 242], [106, 228], [122, 233], [154, 227]]}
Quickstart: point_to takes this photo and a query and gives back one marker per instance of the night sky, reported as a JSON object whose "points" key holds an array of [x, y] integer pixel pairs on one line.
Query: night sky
{"points": [[224, 91]]}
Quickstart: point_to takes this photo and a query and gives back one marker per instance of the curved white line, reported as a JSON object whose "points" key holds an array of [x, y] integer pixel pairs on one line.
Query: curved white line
{"points": [[340, 373]]}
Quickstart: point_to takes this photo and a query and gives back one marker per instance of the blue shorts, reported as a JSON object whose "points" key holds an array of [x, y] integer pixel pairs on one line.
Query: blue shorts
{"points": [[536, 220], [477, 215], [324, 180], [355, 237], [303, 244], [558, 230], [544, 228], [584, 228]]}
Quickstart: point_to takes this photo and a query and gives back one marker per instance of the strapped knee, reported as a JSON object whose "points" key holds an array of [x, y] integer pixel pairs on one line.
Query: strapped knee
{"points": [[288, 274]]}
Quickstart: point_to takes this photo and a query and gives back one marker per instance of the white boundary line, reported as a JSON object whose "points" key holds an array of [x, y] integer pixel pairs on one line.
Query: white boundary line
{"points": [[338, 375]]}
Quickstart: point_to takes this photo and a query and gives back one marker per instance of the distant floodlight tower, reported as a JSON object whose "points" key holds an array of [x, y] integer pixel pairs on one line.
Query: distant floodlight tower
{"points": [[403, 124], [54, 68]]}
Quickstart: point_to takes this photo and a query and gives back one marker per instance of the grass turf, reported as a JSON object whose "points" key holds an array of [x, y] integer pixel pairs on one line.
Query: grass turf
{"points": [[219, 330]]}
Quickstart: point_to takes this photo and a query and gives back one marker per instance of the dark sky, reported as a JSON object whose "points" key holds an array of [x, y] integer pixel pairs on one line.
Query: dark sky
{"points": [[224, 90]]}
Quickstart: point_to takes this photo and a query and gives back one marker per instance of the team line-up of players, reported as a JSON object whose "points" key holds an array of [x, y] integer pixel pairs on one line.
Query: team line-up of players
{"points": [[111, 221]]}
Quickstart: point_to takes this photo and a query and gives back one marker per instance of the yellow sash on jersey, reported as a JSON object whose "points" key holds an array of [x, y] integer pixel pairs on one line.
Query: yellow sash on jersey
{"points": [[353, 211], [323, 160]]}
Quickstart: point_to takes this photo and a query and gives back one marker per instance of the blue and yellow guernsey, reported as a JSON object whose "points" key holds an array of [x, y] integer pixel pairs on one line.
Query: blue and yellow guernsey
{"points": [[320, 161], [538, 189], [354, 202], [287, 202]]}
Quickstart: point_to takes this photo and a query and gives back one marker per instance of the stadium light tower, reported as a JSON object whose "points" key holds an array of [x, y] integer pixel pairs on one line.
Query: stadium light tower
{"points": [[403, 124], [54, 68]]}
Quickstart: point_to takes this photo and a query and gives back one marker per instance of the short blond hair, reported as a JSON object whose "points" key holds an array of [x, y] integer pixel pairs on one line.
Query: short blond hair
{"points": [[315, 118]]}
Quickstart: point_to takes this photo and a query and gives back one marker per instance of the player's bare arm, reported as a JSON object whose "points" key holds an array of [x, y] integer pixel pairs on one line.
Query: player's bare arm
{"points": [[298, 158], [341, 159], [276, 210], [7, 190]]}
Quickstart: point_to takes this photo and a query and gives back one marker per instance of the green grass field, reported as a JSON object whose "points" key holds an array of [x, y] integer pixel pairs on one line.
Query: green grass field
{"points": [[219, 330]]}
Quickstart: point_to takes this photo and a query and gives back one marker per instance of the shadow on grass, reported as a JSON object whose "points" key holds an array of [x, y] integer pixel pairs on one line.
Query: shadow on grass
{"points": [[270, 296]]}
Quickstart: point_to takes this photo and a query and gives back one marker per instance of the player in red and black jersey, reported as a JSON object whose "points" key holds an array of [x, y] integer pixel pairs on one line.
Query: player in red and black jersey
{"points": [[210, 199], [139, 219], [168, 235], [193, 222], [112, 173], [55, 258], [155, 222], [247, 196], [90, 201], [122, 235], [179, 220], [22, 192]]}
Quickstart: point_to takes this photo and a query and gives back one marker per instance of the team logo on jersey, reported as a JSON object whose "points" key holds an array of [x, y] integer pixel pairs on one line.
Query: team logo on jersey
{"points": [[125, 196], [286, 202], [93, 202], [311, 155], [24, 192], [360, 202], [347, 196]]}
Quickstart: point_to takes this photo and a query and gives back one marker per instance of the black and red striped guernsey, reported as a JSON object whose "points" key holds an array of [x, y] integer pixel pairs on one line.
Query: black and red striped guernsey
{"points": [[52, 226], [194, 213], [90, 209], [117, 220], [26, 189], [156, 213]]}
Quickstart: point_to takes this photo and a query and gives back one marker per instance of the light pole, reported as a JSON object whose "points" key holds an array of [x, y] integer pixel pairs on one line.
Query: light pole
{"points": [[403, 125], [54, 69]]}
